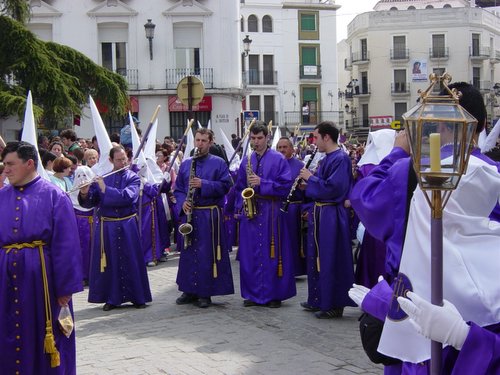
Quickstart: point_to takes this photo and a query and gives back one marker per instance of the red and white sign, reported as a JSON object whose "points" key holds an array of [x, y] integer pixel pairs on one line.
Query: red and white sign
{"points": [[380, 122], [175, 105]]}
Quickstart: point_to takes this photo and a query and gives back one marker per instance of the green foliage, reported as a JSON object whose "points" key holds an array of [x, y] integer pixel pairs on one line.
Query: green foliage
{"points": [[59, 77], [17, 9]]}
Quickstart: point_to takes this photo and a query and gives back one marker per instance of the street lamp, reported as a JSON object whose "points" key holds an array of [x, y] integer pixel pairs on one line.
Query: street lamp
{"points": [[246, 45], [440, 135], [149, 27]]}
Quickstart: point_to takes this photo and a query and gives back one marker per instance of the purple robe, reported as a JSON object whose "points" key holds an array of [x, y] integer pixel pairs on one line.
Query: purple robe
{"points": [[85, 221], [329, 240], [39, 211], [124, 278], [371, 259], [155, 230], [259, 271], [200, 272], [293, 221]]}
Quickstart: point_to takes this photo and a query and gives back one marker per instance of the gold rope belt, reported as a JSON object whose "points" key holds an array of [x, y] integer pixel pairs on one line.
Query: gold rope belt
{"points": [[316, 226], [49, 343], [216, 250], [321, 204], [101, 227], [266, 197]]}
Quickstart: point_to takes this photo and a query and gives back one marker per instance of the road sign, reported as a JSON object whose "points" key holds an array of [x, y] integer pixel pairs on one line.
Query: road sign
{"points": [[250, 115], [197, 90], [396, 125]]}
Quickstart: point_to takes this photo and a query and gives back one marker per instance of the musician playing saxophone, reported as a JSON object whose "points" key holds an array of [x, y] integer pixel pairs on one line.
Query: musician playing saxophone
{"points": [[204, 266], [266, 265]]}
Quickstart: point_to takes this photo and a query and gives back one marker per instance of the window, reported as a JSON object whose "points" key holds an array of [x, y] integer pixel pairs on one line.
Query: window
{"points": [[476, 77], [242, 24], [187, 43], [364, 49], [399, 44], [308, 25], [114, 57], [365, 89], [475, 44], [399, 110], [438, 46], [253, 24], [429, 7], [446, 6], [254, 102], [309, 57], [253, 71], [268, 73], [267, 24], [439, 72], [269, 109], [400, 80], [411, 7], [393, 8], [364, 115]]}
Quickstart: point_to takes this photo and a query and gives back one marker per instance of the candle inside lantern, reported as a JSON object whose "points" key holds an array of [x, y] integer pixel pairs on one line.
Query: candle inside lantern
{"points": [[435, 151]]}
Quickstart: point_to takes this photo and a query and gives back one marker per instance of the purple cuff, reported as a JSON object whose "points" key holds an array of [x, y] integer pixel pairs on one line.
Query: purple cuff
{"points": [[378, 300]]}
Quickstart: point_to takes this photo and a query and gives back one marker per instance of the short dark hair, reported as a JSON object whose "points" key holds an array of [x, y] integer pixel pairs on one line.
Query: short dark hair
{"points": [[24, 151], [115, 150], [114, 137], [69, 134], [60, 164], [472, 101], [56, 143], [48, 156], [328, 127], [78, 153], [259, 127], [286, 139], [204, 131]]}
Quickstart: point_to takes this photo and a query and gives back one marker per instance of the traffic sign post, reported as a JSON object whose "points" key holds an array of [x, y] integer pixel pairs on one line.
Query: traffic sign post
{"points": [[190, 91], [250, 115]]}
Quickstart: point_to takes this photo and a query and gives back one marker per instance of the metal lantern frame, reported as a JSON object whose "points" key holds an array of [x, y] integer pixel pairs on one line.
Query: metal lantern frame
{"points": [[437, 176]]}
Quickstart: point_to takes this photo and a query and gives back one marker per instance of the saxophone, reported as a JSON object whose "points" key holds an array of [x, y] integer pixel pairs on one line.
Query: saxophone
{"points": [[186, 228], [248, 194]]}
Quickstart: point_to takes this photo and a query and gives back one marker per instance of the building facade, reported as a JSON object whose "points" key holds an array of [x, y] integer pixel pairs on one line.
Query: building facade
{"points": [[391, 51], [290, 69]]}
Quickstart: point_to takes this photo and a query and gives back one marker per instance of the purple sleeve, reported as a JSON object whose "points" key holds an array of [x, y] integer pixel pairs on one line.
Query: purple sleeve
{"points": [[378, 300], [181, 188], [335, 186], [122, 197], [220, 185], [278, 182], [480, 354]]}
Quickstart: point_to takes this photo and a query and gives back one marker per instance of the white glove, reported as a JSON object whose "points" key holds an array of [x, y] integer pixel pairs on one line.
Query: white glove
{"points": [[167, 177], [358, 293], [438, 323]]}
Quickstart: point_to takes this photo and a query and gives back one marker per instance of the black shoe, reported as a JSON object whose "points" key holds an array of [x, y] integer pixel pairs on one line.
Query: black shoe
{"points": [[108, 307], [330, 314], [274, 304], [140, 305], [186, 298], [204, 302], [163, 258], [308, 307], [249, 303]]}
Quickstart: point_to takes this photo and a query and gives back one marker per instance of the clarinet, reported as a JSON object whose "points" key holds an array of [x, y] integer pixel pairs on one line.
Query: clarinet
{"points": [[296, 183]]}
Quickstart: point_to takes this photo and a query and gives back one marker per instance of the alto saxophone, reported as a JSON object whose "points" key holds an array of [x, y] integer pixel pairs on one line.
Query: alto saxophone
{"points": [[248, 194], [186, 228]]}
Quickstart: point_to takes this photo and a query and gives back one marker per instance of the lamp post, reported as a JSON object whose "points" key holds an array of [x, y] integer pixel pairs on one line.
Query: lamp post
{"points": [[440, 134], [246, 45], [149, 27]]}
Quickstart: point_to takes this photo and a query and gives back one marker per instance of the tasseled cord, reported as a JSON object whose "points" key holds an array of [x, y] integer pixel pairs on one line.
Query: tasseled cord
{"points": [[49, 343]]}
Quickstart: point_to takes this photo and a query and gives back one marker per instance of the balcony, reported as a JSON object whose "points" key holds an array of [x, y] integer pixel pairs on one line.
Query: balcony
{"points": [[310, 71], [483, 86], [206, 75], [495, 57], [362, 91], [260, 77], [479, 53], [347, 64], [315, 117], [359, 58], [400, 54], [400, 88], [131, 76], [439, 53]]}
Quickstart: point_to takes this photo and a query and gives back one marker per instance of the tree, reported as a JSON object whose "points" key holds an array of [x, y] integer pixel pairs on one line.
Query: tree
{"points": [[59, 77]]}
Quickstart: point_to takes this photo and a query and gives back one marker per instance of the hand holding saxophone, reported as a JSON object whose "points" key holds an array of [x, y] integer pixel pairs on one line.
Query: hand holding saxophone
{"points": [[253, 180], [187, 207]]}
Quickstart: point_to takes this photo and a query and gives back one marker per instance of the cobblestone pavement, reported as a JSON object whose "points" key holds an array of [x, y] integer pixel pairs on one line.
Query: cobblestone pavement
{"points": [[225, 338]]}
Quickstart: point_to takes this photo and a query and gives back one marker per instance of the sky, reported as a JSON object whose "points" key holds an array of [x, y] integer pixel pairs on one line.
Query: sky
{"points": [[349, 10]]}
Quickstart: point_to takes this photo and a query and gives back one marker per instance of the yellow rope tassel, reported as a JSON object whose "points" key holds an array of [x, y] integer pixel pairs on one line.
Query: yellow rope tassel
{"points": [[219, 253], [215, 270], [302, 255], [49, 346], [103, 261], [280, 267], [317, 263], [273, 255]]}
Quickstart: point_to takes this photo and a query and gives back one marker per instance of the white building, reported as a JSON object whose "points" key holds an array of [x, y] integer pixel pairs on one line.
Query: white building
{"points": [[292, 57], [392, 50]]}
